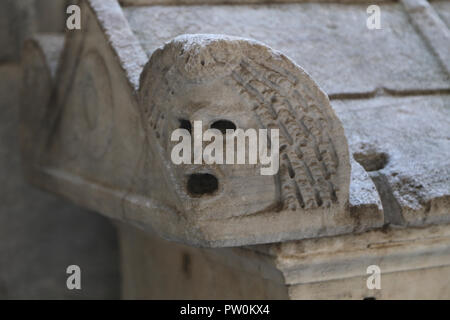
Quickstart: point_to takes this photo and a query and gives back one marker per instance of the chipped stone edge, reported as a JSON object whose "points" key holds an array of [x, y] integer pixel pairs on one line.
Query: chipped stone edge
{"points": [[124, 43], [132, 208], [393, 249]]}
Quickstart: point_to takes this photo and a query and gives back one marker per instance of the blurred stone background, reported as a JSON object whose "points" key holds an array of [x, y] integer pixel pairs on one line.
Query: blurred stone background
{"points": [[40, 234]]}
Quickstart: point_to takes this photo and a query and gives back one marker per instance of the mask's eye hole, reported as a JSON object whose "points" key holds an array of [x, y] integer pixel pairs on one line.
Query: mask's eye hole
{"points": [[200, 184], [223, 125], [185, 124]]}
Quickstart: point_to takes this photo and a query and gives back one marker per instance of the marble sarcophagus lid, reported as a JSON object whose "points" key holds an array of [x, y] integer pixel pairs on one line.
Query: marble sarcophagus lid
{"points": [[101, 103]]}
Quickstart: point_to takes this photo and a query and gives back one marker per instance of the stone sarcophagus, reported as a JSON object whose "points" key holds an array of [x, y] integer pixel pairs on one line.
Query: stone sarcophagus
{"points": [[106, 117], [354, 121]]}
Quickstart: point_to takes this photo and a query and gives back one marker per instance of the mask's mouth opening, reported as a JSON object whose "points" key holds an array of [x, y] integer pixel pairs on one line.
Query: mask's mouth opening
{"points": [[200, 184]]}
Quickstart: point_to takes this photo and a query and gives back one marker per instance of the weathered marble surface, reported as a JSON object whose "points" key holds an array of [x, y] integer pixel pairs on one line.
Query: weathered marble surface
{"points": [[433, 30], [153, 268], [124, 195], [442, 8], [83, 141], [393, 249], [41, 234], [414, 265], [332, 44], [406, 142], [399, 133], [419, 284]]}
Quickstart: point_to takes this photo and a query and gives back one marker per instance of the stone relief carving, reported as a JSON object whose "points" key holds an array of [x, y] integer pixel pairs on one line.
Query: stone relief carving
{"points": [[107, 138], [206, 77], [89, 110], [103, 141]]}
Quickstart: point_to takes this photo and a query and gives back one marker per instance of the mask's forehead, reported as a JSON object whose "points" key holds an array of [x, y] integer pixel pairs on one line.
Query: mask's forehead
{"points": [[219, 95]]}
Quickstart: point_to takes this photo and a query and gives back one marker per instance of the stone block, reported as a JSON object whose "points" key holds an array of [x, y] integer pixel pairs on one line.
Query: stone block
{"points": [[404, 143], [331, 42]]}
